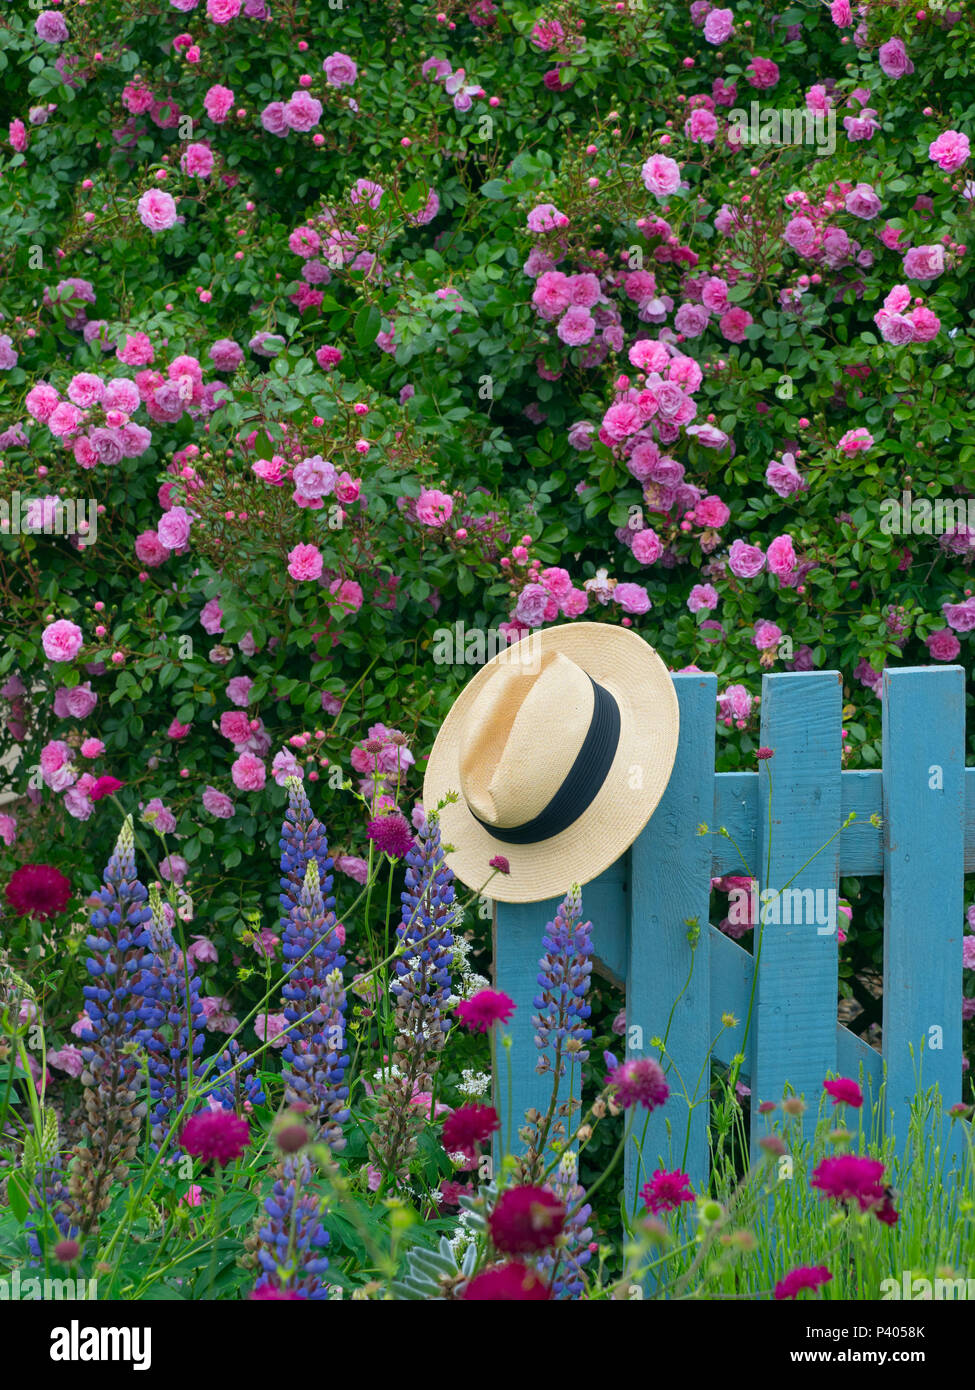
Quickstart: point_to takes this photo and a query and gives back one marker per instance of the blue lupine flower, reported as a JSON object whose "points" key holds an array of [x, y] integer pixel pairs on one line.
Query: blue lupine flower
{"points": [[111, 1076], [303, 839], [574, 1253], [422, 985], [315, 1055], [169, 1011], [564, 977], [50, 1192], [291, 1239], [566, 968]]}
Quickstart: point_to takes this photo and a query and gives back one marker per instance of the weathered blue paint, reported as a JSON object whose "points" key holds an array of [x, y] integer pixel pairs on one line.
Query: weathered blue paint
{"points": [[670, 895], [924, 842], [799, 813]]}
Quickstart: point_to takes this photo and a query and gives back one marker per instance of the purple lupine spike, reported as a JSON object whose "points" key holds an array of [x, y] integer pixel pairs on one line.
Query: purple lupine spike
{"points": [[291, 1239], [564, 976], [314, 1055], [111, 1076], [170, 1012], [421, 989], [574, 1252], [560, 1026], [422, 985], [49, 1193], [303, 839]]}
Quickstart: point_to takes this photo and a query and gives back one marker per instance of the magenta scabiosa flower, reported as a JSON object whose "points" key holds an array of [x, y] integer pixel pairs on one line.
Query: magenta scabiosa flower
{"points": [[844, 1091], [849, 1178], [637, 1081], [266, 1292], [810, 1277], [484, 1009], [38, 890], [666, 1191], [391, 835], [467, 1127], [215, 1136]]}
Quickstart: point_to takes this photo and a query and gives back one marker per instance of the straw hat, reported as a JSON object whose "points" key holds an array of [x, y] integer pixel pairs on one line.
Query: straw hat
{"points": [[559, 749]]}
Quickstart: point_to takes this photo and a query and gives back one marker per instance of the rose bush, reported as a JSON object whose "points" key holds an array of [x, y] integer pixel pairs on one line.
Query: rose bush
{"points": [[357, 323]]}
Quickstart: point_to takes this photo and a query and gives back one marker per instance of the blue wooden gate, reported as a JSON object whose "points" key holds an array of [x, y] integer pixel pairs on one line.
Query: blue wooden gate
{"points": [[914, 824]]}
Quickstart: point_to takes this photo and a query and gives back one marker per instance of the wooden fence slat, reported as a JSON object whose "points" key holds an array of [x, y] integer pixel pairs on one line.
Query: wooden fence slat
{"points": [[924, 829], [671, 884], [794, 1029], [861, 845], [736, 810]]}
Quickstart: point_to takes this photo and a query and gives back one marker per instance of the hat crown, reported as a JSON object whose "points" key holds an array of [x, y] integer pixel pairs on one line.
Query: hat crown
{"points": [[522, 736]]}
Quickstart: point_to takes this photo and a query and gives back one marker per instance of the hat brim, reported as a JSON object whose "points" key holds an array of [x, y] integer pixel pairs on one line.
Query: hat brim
{"points": [[649, 724]]}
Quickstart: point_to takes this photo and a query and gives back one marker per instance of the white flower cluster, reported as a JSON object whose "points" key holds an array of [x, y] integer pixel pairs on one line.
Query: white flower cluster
{"points": [[389, 1073], [462, 1237], [474, 1083]]}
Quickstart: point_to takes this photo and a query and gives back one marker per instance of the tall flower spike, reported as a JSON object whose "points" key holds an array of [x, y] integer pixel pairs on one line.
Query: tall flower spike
{"points": [[421, 989], [111, 1078], [171, 1014], [291, 1238], [51, 1206], [303, 840], [564, 975], [423, 972], [574, 1254], [314, 1055]]}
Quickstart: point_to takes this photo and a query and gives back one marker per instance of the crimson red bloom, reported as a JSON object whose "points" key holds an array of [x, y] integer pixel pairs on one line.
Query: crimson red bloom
{"points": [[484, 1009], [526, 1219], [215, 1136], [508, 1283], [666, 1191], [104, 787], [843, 1090], [805, 1277], [467, 1126], [38, 890]]}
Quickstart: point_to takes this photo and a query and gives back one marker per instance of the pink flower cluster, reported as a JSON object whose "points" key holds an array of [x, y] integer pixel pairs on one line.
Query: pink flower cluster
{"points": [[95, 420], [905, 319], [300, 113]]}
